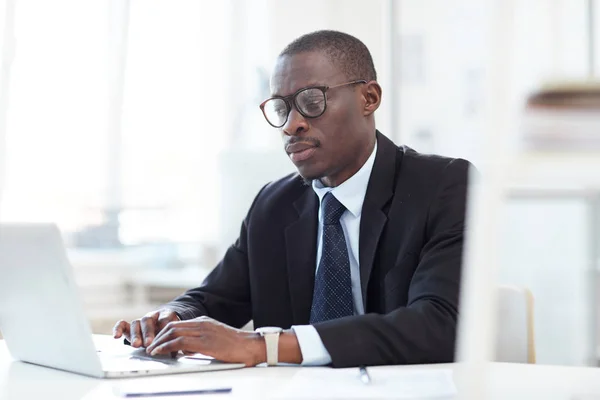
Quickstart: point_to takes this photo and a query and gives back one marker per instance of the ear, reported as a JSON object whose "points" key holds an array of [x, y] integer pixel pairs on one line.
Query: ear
{"points": [[372, 97]]}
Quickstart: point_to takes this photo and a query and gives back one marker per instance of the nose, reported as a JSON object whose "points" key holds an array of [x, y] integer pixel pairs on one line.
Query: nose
{"points": [[296, 124]]}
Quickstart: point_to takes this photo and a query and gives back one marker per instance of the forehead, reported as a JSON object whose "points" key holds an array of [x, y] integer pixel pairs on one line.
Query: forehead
{"points": [[293, 72]]}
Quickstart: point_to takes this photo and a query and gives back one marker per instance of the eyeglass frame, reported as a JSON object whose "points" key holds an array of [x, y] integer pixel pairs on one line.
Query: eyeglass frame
{"points": [[294, 95]]}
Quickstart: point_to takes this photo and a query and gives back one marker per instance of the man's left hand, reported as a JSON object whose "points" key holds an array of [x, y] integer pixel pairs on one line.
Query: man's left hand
{"points": [[212, 338]]}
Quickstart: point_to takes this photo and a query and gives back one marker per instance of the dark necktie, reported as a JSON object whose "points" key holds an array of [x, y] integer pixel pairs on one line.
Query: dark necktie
{"points": [[332, 297]]}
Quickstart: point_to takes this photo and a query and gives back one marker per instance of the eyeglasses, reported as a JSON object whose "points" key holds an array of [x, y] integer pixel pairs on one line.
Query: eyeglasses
{"points": [[311, 102]]}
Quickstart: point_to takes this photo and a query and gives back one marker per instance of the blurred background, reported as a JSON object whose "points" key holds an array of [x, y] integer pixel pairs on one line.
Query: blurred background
{"points": [[134, 125]]}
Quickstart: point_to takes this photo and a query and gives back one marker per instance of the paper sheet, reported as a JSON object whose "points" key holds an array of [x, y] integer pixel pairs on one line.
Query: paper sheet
{"points": [[387, 383]]}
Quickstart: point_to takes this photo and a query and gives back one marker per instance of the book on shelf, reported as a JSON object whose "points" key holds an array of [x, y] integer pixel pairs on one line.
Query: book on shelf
{"points": [[562, 116]]}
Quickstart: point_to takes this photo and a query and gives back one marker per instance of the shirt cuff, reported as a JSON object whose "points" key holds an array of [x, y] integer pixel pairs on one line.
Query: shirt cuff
{"points": [[312, 347]]}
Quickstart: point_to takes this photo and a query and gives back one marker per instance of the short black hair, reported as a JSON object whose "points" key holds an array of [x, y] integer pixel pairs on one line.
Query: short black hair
{"points": [[345, 51]]}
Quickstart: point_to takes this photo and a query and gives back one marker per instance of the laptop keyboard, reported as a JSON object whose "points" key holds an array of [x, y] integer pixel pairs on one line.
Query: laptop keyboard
{"points": [[125, 358], [132, 363], [134, 360]]}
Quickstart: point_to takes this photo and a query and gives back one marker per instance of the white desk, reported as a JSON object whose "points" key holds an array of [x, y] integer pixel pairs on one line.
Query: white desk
{"points": [[508, 381]]}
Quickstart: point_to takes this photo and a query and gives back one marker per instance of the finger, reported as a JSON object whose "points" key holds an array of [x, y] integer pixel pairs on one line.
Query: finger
{"points": [[172, 333], [172, 346], [169, 332], [166, 330], [121, 328], [196, 326], [148, 326], [164, 319], [136, 333], [179, 323]]}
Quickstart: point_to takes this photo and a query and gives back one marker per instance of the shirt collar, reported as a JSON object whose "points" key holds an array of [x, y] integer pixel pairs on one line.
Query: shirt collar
{"points": [[351, 193]]}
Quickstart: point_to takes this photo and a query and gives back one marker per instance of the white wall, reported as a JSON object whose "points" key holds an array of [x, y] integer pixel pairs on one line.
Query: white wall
{"points": [[7, 9], [544, 241], [440, 108], [545, 248]]}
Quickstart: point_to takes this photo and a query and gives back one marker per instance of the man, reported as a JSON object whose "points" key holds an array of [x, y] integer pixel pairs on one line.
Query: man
{"points": [[357, 257]]}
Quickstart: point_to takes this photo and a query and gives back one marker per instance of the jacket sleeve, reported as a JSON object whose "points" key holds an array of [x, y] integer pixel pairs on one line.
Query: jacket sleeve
{"points": [[425, 330], [225, 293]]}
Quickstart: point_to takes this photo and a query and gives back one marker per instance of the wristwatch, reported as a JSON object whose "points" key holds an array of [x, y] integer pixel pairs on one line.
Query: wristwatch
{"points": [[271, 335]]}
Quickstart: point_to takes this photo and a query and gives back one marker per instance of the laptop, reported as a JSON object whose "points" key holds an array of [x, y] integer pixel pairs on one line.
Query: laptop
{"points": [[42, 317]]}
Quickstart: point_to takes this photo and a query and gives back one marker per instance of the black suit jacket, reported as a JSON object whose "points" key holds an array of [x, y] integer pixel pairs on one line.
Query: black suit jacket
{"points": [[410, 250]]}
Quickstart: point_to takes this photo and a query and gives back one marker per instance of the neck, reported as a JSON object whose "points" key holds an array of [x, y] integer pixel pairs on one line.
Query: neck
{"points": [[349, 170]]}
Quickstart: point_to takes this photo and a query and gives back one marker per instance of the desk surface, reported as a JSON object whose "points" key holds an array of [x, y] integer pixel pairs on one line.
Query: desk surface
{"points": [[508, 381]]}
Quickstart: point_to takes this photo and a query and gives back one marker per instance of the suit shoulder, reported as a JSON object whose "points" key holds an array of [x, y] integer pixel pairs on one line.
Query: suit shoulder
{"points": [[432, 166], [283, 190]]}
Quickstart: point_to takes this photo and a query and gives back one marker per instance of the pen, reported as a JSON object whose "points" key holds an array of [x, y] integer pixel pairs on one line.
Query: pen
{"points": [[364, 375], [176, 393]]}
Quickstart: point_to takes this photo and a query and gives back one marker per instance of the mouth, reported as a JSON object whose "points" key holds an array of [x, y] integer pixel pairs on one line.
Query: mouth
{"points": [[300, 151], [303, 155]]}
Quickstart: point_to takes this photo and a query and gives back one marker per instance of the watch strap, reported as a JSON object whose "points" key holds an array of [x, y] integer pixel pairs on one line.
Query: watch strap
{"points": [[272, 344]]}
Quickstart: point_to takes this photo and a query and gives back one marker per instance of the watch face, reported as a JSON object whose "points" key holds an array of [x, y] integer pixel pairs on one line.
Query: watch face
{"points": [[268, 329]]}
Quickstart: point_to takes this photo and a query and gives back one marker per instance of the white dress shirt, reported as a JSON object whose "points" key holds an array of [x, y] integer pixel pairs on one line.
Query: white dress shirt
{"points": [[351, 194]]}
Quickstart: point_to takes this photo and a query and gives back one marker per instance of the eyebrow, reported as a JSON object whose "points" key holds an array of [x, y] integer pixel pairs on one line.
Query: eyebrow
{"points": [[303, 87]]}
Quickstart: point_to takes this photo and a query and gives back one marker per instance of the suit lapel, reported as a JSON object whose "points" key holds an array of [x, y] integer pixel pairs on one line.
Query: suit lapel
{"points": [[373, 218], [301, 253]]}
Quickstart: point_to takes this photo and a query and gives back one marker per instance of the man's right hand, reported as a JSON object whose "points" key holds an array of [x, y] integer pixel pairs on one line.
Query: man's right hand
{"points": [[141, 332]]}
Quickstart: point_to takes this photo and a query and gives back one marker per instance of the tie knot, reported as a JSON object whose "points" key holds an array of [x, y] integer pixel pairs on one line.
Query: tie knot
{"points": [[332, 209]]}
